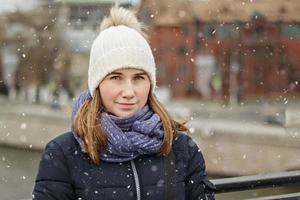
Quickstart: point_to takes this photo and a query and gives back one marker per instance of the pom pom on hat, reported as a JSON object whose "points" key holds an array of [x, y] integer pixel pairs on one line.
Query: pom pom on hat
{"points": [[120, 44]]}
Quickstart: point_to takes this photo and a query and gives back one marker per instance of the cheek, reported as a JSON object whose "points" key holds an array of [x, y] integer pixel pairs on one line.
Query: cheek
{"points": [[144, 92], [107, 94]]}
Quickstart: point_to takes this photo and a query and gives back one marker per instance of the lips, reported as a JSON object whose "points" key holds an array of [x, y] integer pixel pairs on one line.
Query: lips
{"points": [[127, 105]]}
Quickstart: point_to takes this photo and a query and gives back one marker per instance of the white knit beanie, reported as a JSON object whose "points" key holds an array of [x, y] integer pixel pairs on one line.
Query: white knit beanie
{"points": [[119, 47]]}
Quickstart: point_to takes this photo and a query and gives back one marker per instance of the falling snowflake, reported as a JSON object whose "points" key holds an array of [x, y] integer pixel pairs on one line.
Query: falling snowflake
{"points": [[23, 126], [154, 168], [192, 130]]}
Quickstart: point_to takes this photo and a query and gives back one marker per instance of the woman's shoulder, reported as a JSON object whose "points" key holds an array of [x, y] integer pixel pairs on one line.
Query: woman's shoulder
{"points": [[181, 136], [64, 141], [183, 142], [64, 137]]}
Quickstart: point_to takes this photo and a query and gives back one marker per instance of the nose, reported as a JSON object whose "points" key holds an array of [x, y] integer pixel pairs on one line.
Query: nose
{"points": [[128, 90]]}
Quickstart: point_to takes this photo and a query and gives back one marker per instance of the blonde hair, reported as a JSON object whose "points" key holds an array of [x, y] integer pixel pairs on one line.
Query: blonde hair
{"points": [[88, 127]]}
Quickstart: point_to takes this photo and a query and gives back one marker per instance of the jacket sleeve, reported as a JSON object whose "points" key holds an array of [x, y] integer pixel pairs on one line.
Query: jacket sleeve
{"points": [[53, 180], [197, 184]]}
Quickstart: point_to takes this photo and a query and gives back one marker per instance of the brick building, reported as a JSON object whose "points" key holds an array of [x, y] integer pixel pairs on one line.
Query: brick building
{"points": [[255, 49]]}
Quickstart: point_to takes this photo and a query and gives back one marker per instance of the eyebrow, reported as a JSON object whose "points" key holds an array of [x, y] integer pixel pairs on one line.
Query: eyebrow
{"points": [[136, 74], [114, 73], [141, 73]]}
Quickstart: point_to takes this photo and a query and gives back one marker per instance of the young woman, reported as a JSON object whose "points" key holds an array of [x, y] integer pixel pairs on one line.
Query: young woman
{"points": [[123, 143]]}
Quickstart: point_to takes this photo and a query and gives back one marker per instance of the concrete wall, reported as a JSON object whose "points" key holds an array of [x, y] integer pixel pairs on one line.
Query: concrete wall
{"points": [[240, 148]]}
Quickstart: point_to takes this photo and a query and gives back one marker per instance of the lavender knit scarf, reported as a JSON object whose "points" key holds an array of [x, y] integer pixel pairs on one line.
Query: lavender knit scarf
{"points": [[128, 137]]}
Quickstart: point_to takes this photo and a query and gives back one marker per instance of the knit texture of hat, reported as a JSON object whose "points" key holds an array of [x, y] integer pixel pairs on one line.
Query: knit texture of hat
{"points": [[119, 47]]}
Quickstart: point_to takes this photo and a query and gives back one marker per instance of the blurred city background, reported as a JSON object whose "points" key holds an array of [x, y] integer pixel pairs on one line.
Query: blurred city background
{"points": [[231, 68]]}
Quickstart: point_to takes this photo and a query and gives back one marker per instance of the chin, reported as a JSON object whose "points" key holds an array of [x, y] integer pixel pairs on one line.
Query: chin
{"points": [[125, 113]]}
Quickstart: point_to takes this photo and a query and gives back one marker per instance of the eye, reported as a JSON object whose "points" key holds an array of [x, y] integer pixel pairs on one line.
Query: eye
{"points": [[139, 77], [115, 77]]}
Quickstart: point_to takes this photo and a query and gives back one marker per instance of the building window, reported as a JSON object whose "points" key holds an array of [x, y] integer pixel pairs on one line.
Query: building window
{"points": [[182, 70], [209, 30], [182, 50], [290, 30], [221, 31], [227, 31]]}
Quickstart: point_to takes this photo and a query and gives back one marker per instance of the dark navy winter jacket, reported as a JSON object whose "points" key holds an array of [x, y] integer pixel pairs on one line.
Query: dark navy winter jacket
{"points": [[66, 173]]}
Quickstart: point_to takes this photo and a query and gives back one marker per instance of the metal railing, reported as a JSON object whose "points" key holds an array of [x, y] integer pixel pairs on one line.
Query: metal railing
{"points": [[270, 180]]}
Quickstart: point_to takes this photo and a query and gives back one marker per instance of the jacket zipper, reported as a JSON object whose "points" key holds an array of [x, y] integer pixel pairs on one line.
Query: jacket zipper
{"points": [[136, 180]]}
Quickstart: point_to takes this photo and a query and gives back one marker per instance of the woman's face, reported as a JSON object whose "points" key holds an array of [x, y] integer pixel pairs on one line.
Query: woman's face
{"points": [[124, 91]]}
